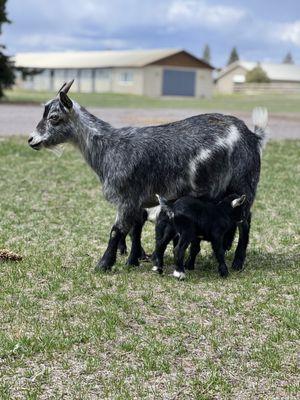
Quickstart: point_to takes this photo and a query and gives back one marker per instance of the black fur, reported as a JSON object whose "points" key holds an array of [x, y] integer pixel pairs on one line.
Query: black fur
{"points": [[193, 220]]}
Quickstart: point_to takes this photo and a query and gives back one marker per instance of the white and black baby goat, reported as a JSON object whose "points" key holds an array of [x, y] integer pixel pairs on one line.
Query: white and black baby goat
{"points": [[190, 220]]}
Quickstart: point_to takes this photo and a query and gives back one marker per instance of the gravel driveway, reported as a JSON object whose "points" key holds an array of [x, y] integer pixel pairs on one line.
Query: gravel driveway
{"points": [[18, 119]]}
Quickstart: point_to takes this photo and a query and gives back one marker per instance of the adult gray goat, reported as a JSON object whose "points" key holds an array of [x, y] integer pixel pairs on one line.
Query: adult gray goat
{"points": [[207, 155]]}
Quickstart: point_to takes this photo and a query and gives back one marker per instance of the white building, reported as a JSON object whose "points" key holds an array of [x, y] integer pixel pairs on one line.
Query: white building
{"points": [[283, 77], [164, 72]]}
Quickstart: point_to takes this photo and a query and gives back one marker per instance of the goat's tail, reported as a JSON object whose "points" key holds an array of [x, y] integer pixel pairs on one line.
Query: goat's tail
{"points": [[260, 121], [167, 208]]}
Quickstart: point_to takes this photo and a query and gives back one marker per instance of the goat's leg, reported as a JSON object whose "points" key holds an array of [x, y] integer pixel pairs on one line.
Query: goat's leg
{"points": [[123, 224], [179, 253], [122, 246], [135, 235], [175, 241], [162, 241], [137, 252], [240, 253], [229, 238], [109, 257], [194, 251], [136, 245], [219, 251], [161, 235]]}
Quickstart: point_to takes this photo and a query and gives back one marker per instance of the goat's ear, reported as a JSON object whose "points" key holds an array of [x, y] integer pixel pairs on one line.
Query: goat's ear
{"points": [[239, 201], [65, 100]]}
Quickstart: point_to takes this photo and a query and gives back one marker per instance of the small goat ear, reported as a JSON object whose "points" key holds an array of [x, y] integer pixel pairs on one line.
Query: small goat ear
{"points": [[238, 202], [65, 100]]}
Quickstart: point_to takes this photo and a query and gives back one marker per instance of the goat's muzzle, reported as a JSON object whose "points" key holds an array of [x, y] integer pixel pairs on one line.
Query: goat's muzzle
{"points": [[33, 143]]}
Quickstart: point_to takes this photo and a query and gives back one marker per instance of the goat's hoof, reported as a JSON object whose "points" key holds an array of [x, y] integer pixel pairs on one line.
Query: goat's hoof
{"points": [[223, 270], [145, 257], [102, 267], [132, 263], [224, 274], [156, 269], [238, 264], [123, 252], [189, 266], [179, 275]]}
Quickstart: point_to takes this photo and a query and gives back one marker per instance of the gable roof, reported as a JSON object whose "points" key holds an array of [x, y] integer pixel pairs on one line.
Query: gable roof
{"points": [[276, 72], [98, 59]]}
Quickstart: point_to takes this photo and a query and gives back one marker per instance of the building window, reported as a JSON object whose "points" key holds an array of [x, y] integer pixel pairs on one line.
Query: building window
{"points": [[239, 78], [86, 73], [126, 77], [103, 74]]}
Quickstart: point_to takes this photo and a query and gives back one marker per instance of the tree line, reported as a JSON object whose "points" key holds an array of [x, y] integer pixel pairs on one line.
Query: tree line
{"points": [[234, 56], [7, 76]]}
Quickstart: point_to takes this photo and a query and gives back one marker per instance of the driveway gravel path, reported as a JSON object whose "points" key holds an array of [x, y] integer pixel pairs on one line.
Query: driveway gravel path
{"points": [[19, 119]]}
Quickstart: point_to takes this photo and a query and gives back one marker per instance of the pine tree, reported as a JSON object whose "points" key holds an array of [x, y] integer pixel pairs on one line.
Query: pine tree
{"points": [[233, 56], [288, 59], [206, 54], [7, 76]]}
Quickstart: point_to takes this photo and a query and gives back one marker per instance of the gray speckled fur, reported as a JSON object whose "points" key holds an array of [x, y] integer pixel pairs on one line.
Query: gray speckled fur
{"points": [[134, 164]]}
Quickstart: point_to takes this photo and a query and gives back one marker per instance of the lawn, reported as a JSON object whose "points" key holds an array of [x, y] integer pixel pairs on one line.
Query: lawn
{"points": [[237, 102], [67, 332]]}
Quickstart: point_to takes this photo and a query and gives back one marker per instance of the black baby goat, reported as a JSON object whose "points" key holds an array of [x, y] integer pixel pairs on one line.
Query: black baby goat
{"points": [[190, 220]]}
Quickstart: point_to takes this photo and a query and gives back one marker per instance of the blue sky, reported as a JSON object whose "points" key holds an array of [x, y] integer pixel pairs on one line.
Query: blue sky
{"points": [[262, 30]]}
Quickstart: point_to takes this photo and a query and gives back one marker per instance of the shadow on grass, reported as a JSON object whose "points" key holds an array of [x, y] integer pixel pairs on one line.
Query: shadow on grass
{"points": [[206, 266]]}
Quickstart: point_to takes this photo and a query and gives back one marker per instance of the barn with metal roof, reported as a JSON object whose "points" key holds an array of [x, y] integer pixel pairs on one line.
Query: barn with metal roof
{"points": [[283, 77], [155, 73]]}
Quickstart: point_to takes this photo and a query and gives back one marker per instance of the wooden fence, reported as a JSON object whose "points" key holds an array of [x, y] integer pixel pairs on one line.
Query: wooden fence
{"points": [[272, 87]]}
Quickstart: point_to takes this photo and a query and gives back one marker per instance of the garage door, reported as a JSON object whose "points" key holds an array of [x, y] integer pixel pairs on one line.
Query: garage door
{"points": [[178, 83]]}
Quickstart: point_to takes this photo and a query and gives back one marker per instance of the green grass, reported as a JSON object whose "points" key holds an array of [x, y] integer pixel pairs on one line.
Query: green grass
{"points": [[67, 332], [237, 102]]}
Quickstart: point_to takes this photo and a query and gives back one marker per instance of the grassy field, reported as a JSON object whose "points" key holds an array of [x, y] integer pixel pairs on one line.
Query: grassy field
{"points": [[274, 102], [69, 333]]}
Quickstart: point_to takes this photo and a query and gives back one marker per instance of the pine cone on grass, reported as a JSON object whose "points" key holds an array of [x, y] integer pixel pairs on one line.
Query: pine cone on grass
{"points": [[6, 255]]}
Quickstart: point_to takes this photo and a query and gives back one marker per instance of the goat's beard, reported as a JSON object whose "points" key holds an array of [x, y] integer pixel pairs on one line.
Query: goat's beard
{"points": [[57, 149]]}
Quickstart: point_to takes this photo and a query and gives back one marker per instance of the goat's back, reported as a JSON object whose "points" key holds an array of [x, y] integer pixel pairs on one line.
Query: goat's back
{"points": [[205, 155]]}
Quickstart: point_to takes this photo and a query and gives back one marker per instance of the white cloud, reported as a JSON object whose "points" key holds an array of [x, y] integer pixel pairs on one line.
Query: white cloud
{"points": [[182, 12], [290, 32], [59, 42], [115, 24]]}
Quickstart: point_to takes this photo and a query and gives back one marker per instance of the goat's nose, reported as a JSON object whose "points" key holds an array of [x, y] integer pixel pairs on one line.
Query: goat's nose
{"points": [[30, 139]]}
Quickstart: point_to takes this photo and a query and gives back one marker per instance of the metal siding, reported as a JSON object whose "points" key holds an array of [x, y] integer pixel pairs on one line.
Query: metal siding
{"points": [[178, 83]]}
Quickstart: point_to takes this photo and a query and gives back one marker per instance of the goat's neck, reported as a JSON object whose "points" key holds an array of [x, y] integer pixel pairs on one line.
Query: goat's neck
{"points": [[91, 136]]}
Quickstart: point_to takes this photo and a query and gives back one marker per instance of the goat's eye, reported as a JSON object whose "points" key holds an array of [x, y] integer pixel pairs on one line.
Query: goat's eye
{"points": [[54, 118]]}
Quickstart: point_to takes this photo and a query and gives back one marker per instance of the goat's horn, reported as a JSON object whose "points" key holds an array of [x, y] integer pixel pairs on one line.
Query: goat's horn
{"points": [[61, 88], [67, 86]]}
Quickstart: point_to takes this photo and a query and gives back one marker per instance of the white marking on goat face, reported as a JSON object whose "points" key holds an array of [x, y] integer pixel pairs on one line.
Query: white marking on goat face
{"points": [[230, 140], [179, 275]]}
